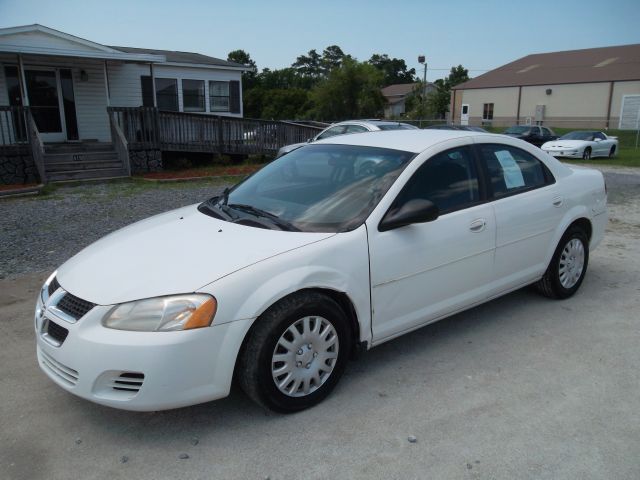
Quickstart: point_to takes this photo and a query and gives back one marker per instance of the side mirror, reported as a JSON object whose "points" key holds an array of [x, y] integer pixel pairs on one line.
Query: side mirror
{"points": [[309, 140], [414, 211]]}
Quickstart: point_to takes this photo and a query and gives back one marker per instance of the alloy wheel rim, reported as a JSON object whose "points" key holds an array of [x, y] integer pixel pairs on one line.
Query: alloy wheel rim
{"points": [[304, 356], [571, 263]]}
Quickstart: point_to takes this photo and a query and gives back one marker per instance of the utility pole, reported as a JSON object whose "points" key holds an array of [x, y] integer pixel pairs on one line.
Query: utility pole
{"points": [[422, 59]]}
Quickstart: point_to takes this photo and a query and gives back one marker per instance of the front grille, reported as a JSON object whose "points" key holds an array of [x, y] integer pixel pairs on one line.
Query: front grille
{"points": [[74, 306], [53, 286], [66, 375], [55, 331]]}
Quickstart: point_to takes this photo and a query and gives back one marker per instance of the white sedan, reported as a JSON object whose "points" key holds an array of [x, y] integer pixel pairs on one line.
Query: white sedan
{"points": [[582, 144], [278, 281], [348, 127]]}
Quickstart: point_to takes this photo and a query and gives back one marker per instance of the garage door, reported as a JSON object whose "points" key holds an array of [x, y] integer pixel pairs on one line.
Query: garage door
{"points": [[630, 115]]}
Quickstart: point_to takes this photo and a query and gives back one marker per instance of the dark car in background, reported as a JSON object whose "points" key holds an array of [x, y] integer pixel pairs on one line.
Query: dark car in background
{"points": [[533, 134]]}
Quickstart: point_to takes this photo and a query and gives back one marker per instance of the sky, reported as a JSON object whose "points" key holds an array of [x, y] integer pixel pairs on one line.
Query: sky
{"points": [[478, 34]]}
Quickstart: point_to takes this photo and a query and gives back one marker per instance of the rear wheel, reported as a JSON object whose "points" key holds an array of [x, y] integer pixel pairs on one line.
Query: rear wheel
{"points": [[586, 154], [295, 353], [568, 265]]}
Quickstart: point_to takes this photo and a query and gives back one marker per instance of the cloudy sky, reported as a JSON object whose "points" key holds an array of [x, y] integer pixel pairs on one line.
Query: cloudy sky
{"points": [[480, 35]]}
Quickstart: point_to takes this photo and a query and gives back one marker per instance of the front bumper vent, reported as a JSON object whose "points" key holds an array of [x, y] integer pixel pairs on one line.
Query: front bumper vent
{"points": [[67, 375], [129, 382]]}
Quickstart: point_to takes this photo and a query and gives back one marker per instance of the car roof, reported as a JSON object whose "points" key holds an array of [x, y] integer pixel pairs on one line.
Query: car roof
{"points": [[374, 123], [407, 140]]}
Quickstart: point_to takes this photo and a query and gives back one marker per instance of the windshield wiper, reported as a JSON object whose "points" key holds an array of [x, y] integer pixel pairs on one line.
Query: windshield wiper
{"points": [[283, 224]]}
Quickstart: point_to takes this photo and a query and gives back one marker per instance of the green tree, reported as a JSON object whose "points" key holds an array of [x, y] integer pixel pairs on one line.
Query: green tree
{"points": [[394, 69], [332, 58], [309, 65], [350, 91], [248, 78], [437, 101]]}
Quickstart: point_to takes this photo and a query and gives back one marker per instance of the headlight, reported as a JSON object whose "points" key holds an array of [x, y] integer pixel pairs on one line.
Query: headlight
{"points": [[163, 314]]}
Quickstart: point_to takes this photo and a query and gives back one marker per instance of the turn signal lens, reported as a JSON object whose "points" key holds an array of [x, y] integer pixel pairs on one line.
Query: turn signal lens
{"points": [[202, 316]]}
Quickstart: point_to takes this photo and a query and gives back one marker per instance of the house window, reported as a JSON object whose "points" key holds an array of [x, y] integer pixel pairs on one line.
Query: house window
{"points": [[193, 95], [167, 94], [218, 96], [487, 111]]}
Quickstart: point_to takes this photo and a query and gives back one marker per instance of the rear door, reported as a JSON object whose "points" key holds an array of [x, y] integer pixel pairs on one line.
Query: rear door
{"points": [[528, 207]]}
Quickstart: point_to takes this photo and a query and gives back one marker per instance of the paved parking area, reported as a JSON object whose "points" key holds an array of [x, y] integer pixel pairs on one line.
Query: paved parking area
{"points": [[521, 387]]}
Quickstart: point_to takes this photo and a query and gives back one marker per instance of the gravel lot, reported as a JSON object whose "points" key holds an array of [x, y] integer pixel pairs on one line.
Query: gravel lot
{"points": [[521, 387]]}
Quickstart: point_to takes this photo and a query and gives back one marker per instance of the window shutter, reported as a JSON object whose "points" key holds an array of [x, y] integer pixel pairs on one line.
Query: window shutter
{"points": [[147, 91], [234, 96]]}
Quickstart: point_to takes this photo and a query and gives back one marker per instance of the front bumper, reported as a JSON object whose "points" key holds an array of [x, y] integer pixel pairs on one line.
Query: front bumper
{"points": [[142, 371], [564, 153]]}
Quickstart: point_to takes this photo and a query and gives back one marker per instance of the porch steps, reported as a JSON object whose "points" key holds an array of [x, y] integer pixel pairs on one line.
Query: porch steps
{"points": [[63, 162]]}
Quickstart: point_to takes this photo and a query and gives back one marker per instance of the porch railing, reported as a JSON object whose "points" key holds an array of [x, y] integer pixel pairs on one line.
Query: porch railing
{"points": [[146, 127], [37, 148], [13, 126], [119, 142]]}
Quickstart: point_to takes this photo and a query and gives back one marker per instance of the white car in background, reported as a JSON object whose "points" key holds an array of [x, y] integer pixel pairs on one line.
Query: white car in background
{"points": [[582, 144], [278, 281], [349, 126]]}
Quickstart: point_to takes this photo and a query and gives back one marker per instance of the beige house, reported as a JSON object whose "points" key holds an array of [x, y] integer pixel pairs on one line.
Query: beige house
{"points": [[396, 96], [591, 88]]}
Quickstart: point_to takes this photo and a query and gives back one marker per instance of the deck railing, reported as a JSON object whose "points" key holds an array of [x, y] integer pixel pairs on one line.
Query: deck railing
{"points": [[146, 127], [37, 148], [13, 125]]}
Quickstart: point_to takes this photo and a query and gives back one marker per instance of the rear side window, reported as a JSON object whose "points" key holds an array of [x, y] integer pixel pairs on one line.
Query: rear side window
{"points": [[331, 132], [449, 180], [512, 170], [356, 129]]}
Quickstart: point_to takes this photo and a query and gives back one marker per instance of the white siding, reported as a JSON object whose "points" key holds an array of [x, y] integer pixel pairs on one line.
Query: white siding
{"points": [[91, 103], [126, 90]]}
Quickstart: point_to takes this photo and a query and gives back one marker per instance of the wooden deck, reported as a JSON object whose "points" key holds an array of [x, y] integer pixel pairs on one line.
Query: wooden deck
{"points": [[146, 127]]}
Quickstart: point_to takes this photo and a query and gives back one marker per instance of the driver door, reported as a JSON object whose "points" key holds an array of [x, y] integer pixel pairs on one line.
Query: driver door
{"points": [[422, 272]]}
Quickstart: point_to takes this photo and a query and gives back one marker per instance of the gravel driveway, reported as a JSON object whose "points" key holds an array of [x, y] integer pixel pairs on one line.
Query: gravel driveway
{"points": [[519, 388], [39, 233]]}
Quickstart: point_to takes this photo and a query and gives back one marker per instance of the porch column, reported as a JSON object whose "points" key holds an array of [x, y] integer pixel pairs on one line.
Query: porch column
{"points": [[153, 85], [23, 82], [106, 84]]}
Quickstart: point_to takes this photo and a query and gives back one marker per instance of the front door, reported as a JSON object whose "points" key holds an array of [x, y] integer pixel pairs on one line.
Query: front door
{"points": [[425, 271], [45, 100], [464, 114]]}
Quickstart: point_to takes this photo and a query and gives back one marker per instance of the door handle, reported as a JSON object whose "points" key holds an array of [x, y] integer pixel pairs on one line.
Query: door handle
{"points": [[478, 225], [557, 201]]}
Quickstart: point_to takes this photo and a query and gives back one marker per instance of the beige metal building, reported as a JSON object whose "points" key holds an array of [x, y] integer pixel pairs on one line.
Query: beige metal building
{"points": [[591, 88]]}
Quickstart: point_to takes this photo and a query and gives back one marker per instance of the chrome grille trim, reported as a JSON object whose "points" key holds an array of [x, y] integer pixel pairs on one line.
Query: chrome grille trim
{"points": [[66, 375]]}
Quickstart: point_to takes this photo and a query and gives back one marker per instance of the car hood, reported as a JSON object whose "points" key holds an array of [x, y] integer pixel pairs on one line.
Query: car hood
{"points": [[566, 144], [175, 252]]}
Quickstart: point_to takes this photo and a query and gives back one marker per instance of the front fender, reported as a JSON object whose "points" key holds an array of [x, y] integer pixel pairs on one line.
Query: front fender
{"points": [[339, 263]]}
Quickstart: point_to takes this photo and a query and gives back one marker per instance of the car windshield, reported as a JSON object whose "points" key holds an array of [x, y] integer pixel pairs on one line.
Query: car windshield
{"points": [[316, 188], [396, 126], [518, 130], [578, 136]]}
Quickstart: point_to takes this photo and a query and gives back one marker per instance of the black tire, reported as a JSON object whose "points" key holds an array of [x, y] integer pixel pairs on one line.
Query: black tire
{"points": [[254, 366], [550, 285], [612, 152], [586, 154]]}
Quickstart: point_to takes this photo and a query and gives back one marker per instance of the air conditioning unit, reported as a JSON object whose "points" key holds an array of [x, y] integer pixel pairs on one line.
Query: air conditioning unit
{"points": [[540, 113]]}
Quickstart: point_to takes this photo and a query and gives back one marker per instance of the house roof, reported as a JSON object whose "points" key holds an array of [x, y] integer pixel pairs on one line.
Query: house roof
{"points": [[40, 40], [183, 57], [590, 65], [399, 89]]}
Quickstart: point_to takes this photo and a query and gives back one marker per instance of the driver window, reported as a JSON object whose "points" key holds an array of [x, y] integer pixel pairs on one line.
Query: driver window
{"points": [[449, 180], [356, 129]]}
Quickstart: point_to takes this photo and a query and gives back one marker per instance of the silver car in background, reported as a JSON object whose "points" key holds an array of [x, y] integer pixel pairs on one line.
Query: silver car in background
{"points": [[349, 126]]}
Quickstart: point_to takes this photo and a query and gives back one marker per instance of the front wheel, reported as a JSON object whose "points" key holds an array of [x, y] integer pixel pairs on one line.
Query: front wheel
{"points": [[568, 265], [295, 353], [586, 154], [612, 152]]}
